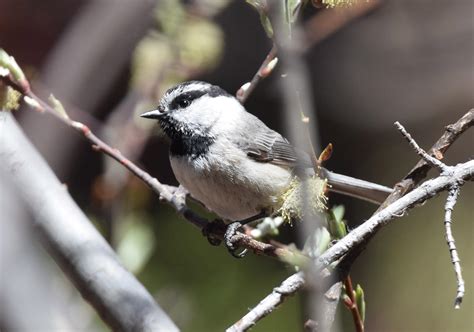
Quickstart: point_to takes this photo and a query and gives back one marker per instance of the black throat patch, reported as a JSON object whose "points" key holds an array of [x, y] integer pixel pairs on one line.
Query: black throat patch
{"points": [[184, 141], [192, 146]]}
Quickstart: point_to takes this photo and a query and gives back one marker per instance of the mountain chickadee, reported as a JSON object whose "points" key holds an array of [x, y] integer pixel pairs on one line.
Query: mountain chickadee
{"points": [[230, 160]]}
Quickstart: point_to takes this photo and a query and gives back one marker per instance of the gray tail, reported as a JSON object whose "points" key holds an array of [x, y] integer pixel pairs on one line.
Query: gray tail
{"points": [[361, 189]]}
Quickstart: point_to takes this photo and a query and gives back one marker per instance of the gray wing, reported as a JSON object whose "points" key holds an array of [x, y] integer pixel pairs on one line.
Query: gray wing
{"points": [[266, 145], [271, 147]]}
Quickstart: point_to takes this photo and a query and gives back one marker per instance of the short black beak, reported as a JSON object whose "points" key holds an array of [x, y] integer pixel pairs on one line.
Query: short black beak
{"points": [[155, 114]]}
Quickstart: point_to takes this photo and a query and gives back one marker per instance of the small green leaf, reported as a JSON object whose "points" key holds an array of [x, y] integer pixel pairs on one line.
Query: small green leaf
{"points": [[262, 8], [4, 58], [58, 106], [336, 228], [338, 212], [360, 300], [295, 258], [9, 63], [267, 24], [323, 239], [291, 10], [341, 229]]}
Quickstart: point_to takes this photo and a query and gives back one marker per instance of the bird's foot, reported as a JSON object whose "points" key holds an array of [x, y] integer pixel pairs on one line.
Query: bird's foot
{"points": [[229, 241], [211, 230]]}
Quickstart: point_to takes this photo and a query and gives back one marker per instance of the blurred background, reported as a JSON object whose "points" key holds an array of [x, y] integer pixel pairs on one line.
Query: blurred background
{"points": [[369, 65]]}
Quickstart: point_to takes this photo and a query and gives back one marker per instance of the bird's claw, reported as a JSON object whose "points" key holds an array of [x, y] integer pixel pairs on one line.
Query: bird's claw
{"points": [[229, 233], [216, 227]]}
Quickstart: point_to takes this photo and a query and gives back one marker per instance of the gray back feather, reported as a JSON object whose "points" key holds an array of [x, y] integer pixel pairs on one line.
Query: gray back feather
{"points": [[266, 145]]}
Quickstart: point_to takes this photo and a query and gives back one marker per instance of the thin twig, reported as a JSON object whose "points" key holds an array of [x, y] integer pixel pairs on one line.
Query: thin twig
{"points": [[265, 69], [422, 153], [358, 322], [165, 192], [460, 173], [269, 303], [419, 172], [450, 202], [357, 238]]}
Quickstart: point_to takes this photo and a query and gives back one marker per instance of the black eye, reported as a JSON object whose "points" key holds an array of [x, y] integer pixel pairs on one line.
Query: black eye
{"points": [[185, 99], [183, 102]]}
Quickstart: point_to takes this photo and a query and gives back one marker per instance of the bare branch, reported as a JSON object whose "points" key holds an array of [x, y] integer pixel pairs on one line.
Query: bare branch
{"points": [[356, 316], [166, 193], [269, 303], [450, 202], [419, 172], [81, 252], [422, 153], [460, 173], [265, 69]]}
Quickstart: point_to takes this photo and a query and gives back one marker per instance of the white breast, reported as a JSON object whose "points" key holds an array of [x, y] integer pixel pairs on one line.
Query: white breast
{"points": [[229, 183]]}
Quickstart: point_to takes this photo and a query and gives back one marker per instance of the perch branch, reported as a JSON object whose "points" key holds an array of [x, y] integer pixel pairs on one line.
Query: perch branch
{"points": [[457, 175], [165, 192]]}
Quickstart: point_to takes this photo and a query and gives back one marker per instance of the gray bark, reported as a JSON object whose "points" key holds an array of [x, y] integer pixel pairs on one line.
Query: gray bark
{"points": [[78, 248]]}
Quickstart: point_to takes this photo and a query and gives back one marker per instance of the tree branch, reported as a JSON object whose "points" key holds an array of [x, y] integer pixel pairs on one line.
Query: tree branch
{"points": [[265, 69], [460, 173], [450, 202], [269, 303], [121, 301], [422, 153], [356, 317], [457, 176], [165, 192], [419, 172]]}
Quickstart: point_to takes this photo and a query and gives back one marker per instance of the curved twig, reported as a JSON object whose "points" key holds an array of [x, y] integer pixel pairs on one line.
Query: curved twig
{"points": [[165, 192]]}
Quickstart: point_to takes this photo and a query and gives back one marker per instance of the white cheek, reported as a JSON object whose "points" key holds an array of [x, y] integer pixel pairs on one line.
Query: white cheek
{"points": [[196, 118], [209, 115], [223, 113]]}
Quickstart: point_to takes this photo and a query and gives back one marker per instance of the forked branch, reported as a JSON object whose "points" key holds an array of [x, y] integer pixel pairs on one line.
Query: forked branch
{"points": [[452, 176]]}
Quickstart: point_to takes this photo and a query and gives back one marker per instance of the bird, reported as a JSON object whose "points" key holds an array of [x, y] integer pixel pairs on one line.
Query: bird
{"points": [[231, 161]]}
